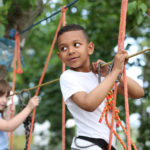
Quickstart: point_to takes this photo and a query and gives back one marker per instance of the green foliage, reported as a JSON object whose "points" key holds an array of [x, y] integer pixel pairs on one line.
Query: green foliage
{"points": [[144, 130], [24, 3], [101, 21], [143, 8], [2, 29], [139, 8], [4, 11], [132, 6], [33, 3]]}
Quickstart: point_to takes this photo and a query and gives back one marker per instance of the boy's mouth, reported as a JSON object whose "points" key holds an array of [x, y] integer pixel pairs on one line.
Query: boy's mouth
{"points": [[73, 59]]}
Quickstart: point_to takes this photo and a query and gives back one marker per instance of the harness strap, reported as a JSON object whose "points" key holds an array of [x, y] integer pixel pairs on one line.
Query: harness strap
{"points": [[96, 141]]}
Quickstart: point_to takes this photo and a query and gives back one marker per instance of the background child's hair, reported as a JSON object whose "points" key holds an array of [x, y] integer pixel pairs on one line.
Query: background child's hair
{"points": [[4, 87], [72, 27]]}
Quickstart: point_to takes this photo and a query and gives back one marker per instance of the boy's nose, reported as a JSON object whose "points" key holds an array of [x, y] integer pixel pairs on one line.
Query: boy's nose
{"points": [[71, 50]]}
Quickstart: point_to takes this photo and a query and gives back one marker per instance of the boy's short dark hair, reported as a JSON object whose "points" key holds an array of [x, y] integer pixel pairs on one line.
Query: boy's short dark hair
{"points": [[72, 27], [4, 87]]}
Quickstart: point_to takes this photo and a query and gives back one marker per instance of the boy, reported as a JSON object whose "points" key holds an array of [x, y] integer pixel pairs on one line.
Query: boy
{"points": [[83, 95]]}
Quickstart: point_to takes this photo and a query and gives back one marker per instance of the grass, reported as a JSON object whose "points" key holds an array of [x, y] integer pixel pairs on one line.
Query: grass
{"points": [[19, 142]]}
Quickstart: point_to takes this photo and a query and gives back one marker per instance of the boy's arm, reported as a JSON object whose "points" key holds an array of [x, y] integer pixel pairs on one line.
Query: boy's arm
{"points": [[90, 101], [134, 89]]}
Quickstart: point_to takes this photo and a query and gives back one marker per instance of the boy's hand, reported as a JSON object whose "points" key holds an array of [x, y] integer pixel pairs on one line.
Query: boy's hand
{"points": [[33, 102], [119, 61], [103, 70]]}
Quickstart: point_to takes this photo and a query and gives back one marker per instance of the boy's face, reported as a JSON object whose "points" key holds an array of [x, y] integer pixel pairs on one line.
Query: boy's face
{"points": [[74, 50], [3, 101]]}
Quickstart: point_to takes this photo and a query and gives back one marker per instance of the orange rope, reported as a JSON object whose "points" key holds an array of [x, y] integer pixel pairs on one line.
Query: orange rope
{"points": [[63, 103], [13, 86], [113, 116], [124, 130], [109, 106], [115, 133], [42, 77], [19, 70], [121, 46], [127, 108], [121, 38]]}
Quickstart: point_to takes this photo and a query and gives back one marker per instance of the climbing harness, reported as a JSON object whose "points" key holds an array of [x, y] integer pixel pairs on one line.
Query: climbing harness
{"points": [[94, 142], [79, 146]]}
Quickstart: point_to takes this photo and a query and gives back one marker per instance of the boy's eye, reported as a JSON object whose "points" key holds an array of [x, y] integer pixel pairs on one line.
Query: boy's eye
{"points": [[76, 44], [63, 48]]}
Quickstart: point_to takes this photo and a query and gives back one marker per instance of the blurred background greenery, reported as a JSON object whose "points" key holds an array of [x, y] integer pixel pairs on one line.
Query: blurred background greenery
{"points": [[101, 21]]}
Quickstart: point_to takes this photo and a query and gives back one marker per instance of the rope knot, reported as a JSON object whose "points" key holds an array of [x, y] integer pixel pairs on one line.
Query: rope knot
{"points": [[19, 71]]}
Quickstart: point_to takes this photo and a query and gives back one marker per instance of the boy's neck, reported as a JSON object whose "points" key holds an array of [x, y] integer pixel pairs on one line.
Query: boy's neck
{"points": [[89, 69]]}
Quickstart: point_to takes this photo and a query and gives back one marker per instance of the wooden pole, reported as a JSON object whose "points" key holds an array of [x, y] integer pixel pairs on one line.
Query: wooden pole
{"points": [[130, 56]]}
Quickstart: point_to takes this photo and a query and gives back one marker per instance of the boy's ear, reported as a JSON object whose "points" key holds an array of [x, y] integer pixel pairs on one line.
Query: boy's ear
{"points": [[90, 48], [59, 56]]}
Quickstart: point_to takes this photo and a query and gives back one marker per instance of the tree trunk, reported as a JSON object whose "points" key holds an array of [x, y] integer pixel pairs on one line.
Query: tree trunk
{"points": [[20, 19]]}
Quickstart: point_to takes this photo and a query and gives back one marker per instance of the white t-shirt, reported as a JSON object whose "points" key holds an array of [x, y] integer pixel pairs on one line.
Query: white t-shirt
{"points": [[87, 123]]}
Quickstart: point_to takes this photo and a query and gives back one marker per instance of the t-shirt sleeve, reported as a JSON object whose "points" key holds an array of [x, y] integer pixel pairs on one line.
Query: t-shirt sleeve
{"points": [[69, 85]]}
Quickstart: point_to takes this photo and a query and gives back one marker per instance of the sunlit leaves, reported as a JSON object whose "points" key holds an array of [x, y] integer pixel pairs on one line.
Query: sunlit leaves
{"points": [[132, 6]]}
